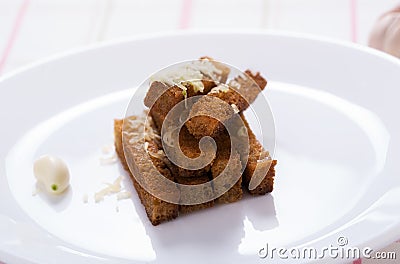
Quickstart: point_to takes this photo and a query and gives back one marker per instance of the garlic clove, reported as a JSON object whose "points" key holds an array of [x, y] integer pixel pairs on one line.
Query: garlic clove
{"points": [[52, 173], [392, 43], [385, 34]]}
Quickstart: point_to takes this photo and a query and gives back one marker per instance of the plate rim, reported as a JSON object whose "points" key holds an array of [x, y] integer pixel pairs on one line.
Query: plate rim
{"points": [[191, 32]]}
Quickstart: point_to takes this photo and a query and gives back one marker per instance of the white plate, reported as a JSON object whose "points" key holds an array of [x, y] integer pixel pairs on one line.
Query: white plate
{"points": [[336, 114]]}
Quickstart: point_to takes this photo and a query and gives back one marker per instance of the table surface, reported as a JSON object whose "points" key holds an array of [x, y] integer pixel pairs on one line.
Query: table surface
{"points": [[33, 29]]}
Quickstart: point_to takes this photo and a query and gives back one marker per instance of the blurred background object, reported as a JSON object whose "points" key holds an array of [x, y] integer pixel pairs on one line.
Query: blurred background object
{"points": [[33, 29], [385, 35]]}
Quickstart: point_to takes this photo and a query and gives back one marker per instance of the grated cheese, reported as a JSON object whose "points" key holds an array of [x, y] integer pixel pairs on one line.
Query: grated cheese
{"points": [[85, 198], [235, 84], [235, 108], [124, 195], [107, 149], [220, 88], [108, 160], [110, 189], [189, 74]]}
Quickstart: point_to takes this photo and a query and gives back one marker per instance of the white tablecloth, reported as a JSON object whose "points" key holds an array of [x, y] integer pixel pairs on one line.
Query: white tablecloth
{"points": [[33, 29]]}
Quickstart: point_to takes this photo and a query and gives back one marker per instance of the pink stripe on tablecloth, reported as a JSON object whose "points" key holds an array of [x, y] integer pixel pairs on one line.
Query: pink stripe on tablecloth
{"points": [[358, 261], [14, 32], [353, 20], [186, 14]]}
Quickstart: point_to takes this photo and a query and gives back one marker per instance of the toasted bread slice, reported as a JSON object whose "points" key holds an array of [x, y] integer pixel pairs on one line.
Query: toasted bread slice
{"points": [[157, 210], [208, 115], [162, 97], [227, 174], [193, 195], [259, 161], [189, 146]]}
